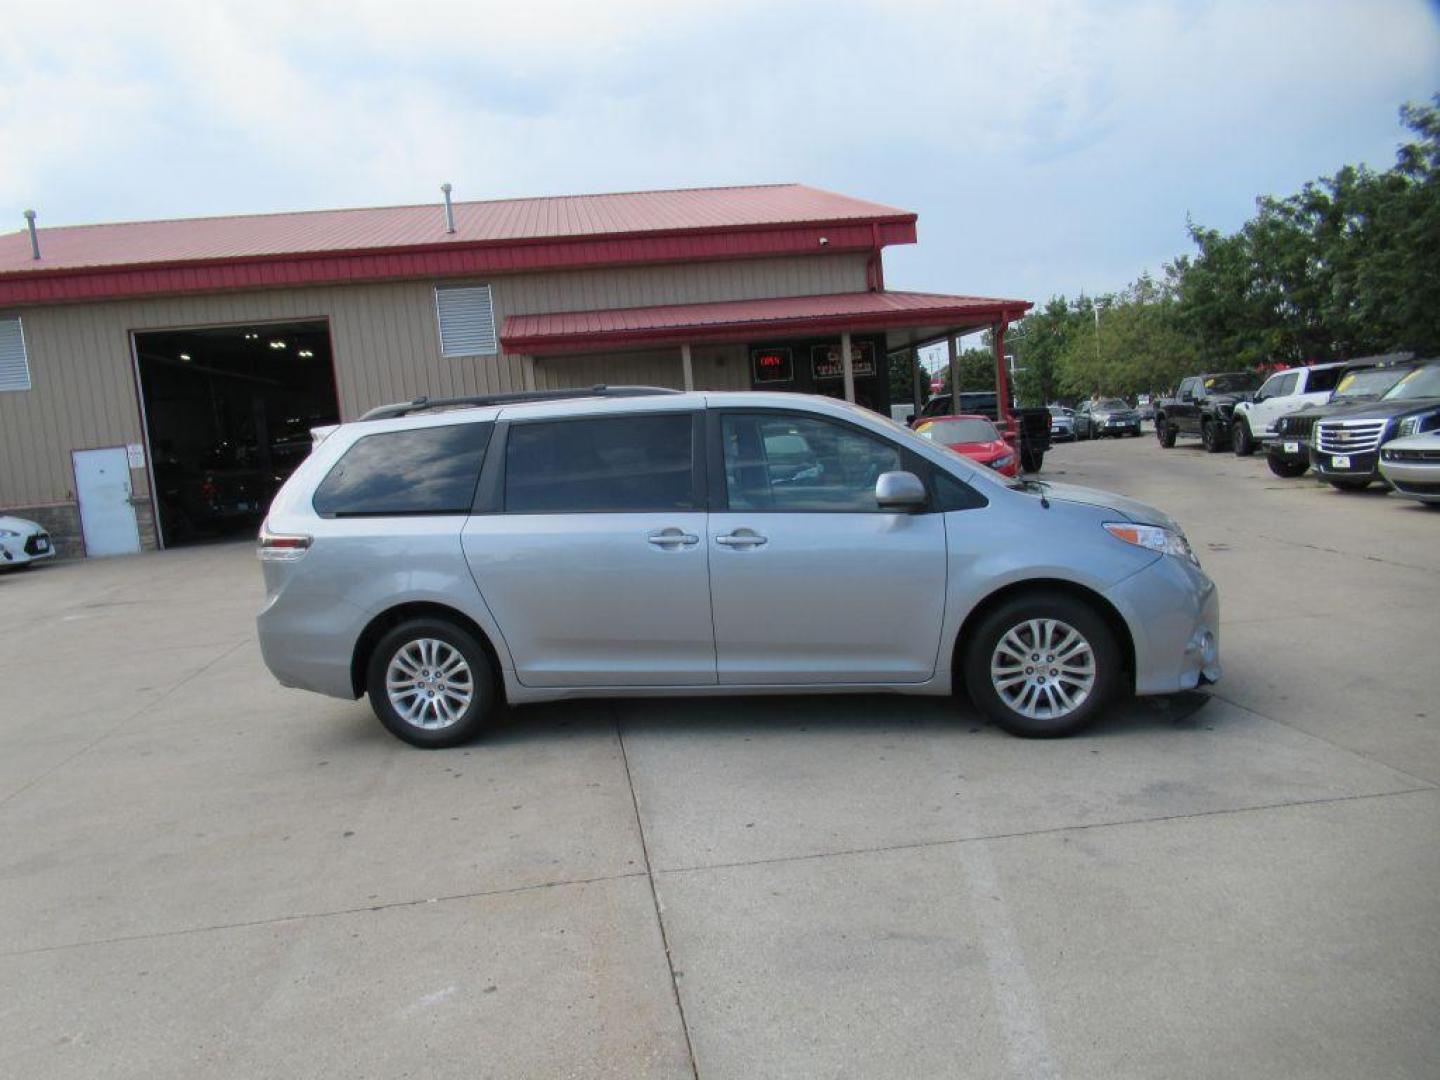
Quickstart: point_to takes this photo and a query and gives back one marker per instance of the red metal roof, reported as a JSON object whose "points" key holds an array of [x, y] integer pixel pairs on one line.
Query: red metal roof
{"points": [[739, 320], [87, 262]]}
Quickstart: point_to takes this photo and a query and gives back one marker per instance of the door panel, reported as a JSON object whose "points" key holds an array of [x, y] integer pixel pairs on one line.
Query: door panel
{"points": [[827, 598], [592, 600], [102, 487], [810, 582]]}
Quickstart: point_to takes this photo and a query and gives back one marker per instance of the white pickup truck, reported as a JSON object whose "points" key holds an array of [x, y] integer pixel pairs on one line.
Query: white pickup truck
{"points": [[1282, 393]]}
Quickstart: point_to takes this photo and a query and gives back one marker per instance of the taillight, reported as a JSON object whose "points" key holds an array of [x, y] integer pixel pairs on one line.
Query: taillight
{"points": [[282, 547]]}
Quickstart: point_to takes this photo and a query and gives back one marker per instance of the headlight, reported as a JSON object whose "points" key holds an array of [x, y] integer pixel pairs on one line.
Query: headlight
{"points": [[1152, 538], [1414, 425], [1001, 462]]}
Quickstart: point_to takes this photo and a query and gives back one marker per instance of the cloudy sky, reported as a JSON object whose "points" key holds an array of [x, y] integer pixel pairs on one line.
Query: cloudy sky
{"points": [[1047, 146]]}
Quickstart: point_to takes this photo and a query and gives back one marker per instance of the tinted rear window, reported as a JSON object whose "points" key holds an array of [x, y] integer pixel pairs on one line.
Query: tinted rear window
{"points": [[1324, 379], [431, 470], [615, 464]]}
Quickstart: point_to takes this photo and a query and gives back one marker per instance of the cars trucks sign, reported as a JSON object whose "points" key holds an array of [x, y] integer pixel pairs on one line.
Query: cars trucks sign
{"points": [[825, 360]]}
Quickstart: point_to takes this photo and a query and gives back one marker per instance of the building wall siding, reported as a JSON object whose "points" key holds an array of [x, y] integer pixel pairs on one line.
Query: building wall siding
{"points": [[386, 348]]}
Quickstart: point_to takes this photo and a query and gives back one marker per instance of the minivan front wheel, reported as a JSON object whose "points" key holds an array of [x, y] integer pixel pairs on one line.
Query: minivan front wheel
{"points": [[431, 684], [1041, 665]]}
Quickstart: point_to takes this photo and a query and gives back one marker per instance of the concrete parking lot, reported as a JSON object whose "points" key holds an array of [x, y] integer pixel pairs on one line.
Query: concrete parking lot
{"points": [[203, 874]]}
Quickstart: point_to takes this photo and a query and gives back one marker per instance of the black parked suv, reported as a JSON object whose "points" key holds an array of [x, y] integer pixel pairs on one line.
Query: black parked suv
{"points": [[1288, 454], [1345, 447], [1204, 405]]}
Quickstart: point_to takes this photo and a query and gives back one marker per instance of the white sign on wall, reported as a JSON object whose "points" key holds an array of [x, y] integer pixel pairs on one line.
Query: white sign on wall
{"points": [[136, 453]]}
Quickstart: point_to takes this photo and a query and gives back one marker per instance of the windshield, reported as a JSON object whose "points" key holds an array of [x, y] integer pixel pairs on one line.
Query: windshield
{"points": [[960, 431], [1423, 382], [1367, 382], [1234, 383], [1110, 404]]}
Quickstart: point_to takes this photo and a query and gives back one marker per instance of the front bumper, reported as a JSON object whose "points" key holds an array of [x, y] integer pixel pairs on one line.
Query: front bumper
{"points": [[1173, 611], [1364, 466], [1290, 450], [29, 548], [1413, 479]]}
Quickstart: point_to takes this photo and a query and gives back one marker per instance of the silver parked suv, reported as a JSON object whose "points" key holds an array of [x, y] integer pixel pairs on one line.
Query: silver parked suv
{"points": [[445, 556]]}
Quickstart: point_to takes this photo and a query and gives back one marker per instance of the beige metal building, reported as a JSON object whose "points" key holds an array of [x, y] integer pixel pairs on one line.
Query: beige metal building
{"points": [[158, 379]]}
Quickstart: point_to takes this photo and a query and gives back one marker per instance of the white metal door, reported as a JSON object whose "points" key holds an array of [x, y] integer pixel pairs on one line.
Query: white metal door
{"points": [[102, 485]]}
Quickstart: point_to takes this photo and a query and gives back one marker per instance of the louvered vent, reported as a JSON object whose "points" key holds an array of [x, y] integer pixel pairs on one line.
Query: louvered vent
{"points": [[14, 364], [467, 320]]}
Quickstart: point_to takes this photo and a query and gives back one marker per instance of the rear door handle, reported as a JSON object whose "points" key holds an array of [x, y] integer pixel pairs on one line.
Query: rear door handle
{"points": [[741, 539], [673, 538]]}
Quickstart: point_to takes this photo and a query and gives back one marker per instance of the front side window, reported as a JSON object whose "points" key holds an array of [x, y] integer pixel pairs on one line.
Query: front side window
{"points": [[428, 470], [612, 464], [794, 463]]}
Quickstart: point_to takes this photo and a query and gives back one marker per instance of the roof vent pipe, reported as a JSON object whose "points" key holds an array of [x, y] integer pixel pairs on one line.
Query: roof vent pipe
{"points": [[34, 240], [449, 209]]}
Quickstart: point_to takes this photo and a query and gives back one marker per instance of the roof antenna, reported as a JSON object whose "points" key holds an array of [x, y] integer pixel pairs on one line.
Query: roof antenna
{"points": [[34, 240], [449, 210]]}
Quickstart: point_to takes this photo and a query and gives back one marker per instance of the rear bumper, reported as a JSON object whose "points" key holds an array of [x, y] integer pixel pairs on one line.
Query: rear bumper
{"points": [[305, 649], [1173, 611]]}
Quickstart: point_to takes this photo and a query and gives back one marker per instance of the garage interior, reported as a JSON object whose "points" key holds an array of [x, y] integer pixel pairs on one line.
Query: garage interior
{"points": [[228, 412]]}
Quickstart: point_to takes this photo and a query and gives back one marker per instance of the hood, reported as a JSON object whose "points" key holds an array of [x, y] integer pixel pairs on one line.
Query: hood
{"points": [[1380, 409], [20, 525], [1138, 512], [980, 449]]}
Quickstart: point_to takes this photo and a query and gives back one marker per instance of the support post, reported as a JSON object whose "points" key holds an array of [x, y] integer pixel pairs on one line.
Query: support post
{"points": [[953, 349], [847, 365], [1002, 385], [688, 366], [917, 374]]}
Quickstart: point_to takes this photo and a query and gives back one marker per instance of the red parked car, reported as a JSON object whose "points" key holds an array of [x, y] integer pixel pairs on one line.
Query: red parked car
{"points": [[976, 437]]}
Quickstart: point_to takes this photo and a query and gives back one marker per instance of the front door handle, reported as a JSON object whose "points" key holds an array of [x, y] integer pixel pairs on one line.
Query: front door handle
{"points": [[741, 538], [673, 538]]}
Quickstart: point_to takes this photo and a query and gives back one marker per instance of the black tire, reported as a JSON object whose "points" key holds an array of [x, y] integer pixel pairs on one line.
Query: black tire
{"points": [[476, 715], [1164, 433], [1032, 460], [1347, 485], [1012, 615], [1289, 470], [1241, 439], [1210, 437]]}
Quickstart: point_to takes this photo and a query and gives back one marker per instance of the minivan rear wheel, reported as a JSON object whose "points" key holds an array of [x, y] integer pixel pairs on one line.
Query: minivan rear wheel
{"points": [[1042, 665], [431, 683]]}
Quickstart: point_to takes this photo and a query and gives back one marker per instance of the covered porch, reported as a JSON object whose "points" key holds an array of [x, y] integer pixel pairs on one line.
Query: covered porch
{"points": [[838, 343]]}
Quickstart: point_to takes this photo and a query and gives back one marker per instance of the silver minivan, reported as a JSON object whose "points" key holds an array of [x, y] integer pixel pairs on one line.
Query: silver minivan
{"points": [[445, 557]]}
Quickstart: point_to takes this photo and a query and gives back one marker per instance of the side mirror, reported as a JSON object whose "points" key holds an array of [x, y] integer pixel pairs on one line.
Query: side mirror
{"points": [[901, 492]]}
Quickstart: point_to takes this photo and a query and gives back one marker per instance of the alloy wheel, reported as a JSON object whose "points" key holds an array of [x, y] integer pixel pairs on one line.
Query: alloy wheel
{"points": [[1043, 669], [429, 684]]}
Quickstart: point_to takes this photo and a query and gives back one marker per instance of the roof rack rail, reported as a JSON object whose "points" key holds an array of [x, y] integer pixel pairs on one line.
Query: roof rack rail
{"points": [[423, 404]]}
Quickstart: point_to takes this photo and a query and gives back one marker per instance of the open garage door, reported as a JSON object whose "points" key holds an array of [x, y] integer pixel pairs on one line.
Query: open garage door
{"points": [[228, 412]]}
